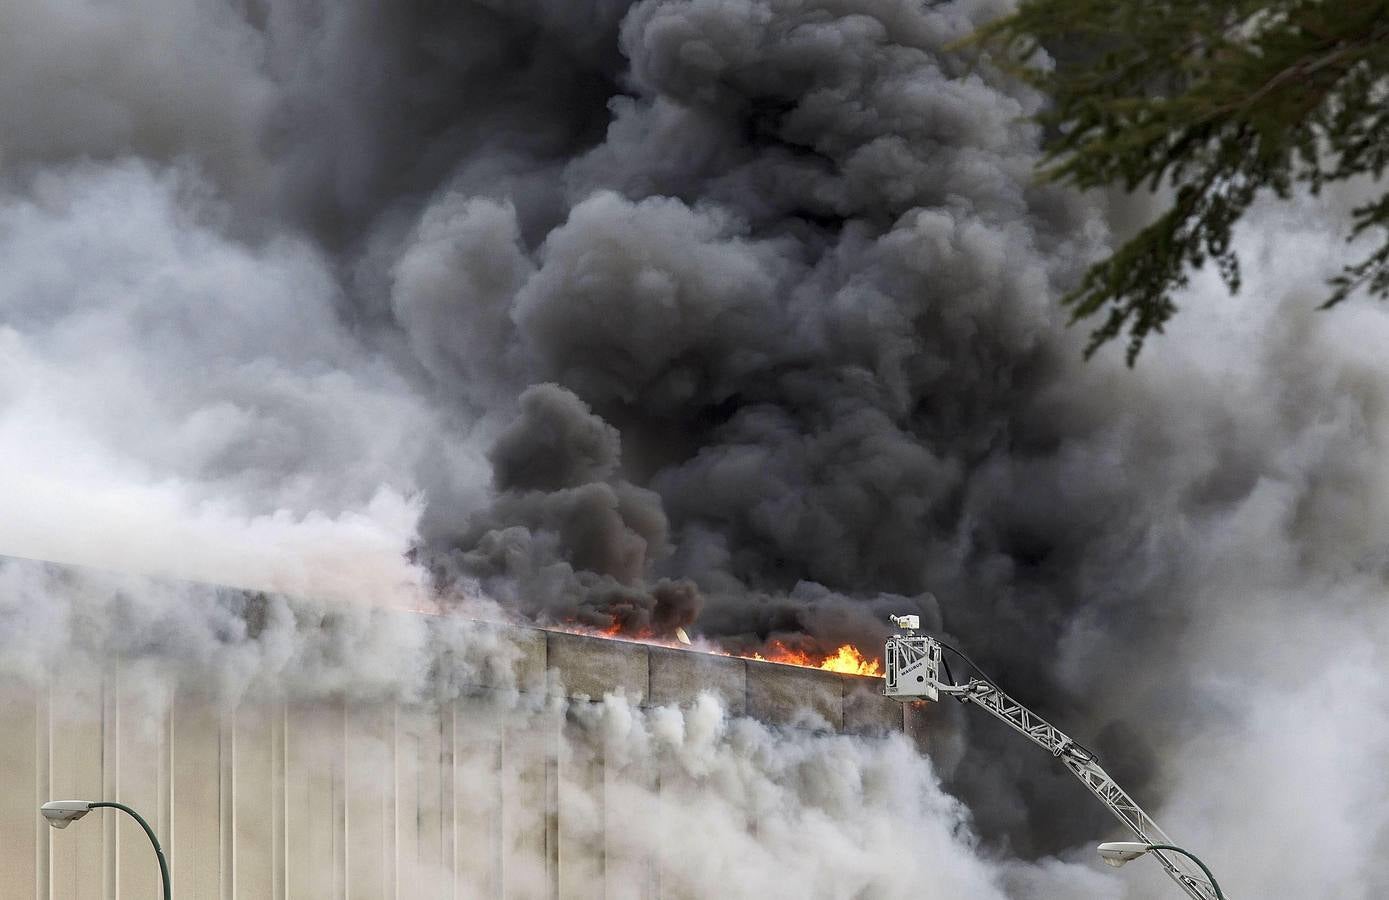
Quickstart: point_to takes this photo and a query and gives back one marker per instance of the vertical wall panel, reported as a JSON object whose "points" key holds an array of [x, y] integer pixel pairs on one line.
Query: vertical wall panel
{"points": [[432, 878], [135, 736], [419, 807], [529, 821], [448, 788], [77, 854], [313, 820], [110, 820], [253, 802], [581, 820], [630, 801], [406, 807], [21, 792], [476, 801], [370, 802], [279, 767], [195, 788]]}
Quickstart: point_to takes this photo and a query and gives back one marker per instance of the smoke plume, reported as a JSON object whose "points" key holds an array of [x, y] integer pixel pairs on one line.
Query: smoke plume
{"points": [[731, 315]]}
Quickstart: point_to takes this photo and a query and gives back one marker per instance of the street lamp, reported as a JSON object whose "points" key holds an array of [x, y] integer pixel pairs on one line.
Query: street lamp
{"points": [[60, 813], [1116, 853]]}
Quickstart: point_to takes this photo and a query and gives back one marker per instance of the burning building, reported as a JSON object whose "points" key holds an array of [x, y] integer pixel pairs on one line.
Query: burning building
{"points": [[522, 763], [730, 316]]}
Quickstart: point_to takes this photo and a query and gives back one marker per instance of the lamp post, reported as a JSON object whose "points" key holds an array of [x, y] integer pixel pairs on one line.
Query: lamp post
{"points": [[60, 813], [1116, 853]]}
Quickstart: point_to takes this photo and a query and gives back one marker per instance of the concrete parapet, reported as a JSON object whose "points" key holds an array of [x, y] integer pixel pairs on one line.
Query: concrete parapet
{"points": [[533, 664], [592, 667], [783, 695], [535, 660], [678, 676], [866, 710]]}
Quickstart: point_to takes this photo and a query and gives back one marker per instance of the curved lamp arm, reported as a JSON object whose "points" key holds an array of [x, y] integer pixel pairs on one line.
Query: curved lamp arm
{"points": [[1117, 853], [62, 812]]}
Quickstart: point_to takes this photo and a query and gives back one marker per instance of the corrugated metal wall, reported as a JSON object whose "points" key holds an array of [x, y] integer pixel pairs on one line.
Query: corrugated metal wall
{"points": [[281, 800], [287, 801]]}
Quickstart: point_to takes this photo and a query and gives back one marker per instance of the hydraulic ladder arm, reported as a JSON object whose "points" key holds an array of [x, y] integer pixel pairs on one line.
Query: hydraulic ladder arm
{"points": [[912, 664]]}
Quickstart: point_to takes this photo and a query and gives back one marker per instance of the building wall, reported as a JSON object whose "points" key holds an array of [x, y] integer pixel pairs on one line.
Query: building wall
{"points": [[467, 798]]}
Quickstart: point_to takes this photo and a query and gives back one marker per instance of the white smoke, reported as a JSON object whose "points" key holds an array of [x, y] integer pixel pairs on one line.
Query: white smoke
{"points": [[177, 402], [1261, 438]]}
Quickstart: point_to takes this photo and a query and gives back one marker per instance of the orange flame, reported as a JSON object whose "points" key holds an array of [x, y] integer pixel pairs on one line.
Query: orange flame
{"points": [[847, 659]]}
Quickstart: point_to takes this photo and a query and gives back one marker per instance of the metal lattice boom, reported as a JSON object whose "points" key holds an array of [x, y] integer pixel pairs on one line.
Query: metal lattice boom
{"points": [[913, 657]]}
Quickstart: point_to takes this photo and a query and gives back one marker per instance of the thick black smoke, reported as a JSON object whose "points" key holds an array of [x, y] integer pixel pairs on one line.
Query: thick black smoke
{"points": [[807, 277], [737, 315], [565, 538], [804, 273]]}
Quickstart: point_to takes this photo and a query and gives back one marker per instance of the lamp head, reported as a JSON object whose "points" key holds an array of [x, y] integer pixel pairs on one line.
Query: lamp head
{"points": [[1116, 853], [60, 812]]}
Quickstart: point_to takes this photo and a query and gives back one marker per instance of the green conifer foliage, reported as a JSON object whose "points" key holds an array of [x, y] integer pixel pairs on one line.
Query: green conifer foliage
{"points": [[1223, 101]]}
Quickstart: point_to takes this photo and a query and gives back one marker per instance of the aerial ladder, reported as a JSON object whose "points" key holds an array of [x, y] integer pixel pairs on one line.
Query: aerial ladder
{"points": [[913, 664]]}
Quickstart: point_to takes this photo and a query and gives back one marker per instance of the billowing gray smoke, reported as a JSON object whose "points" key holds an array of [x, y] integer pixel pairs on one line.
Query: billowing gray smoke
{"points": [[737, 315], [566, 538], [805, 277]]}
